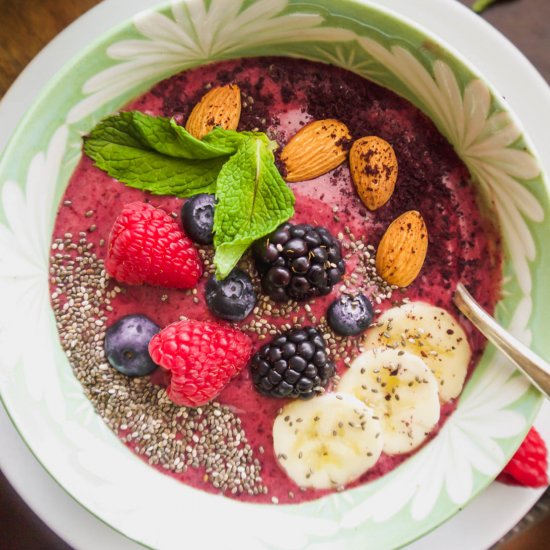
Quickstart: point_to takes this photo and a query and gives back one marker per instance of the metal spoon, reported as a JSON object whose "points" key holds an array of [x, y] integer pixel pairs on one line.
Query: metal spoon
{"points": [[528, 362]]}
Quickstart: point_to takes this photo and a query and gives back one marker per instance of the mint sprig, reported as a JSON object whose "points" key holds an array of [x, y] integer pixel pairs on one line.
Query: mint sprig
{"points": [[148, 153], [253, 200], [157, 155]]}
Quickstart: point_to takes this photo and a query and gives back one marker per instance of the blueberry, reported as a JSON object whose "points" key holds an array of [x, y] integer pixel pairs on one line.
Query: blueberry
{"points": [[197, 218], [126, 344], [233, 298], [350, 315]]}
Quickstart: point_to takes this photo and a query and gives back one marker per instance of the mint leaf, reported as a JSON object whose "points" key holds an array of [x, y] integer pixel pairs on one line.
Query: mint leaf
{"points": [[166, 136], [143, 154], [231, 139], [227, 256], [155, 154], [253, 200], [227, 139], [216, 146]]}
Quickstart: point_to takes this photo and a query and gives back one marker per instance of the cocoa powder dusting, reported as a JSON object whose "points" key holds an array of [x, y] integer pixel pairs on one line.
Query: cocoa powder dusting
{"points": [[425, 159]]}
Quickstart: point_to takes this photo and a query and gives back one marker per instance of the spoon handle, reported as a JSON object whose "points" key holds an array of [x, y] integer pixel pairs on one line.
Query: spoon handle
{"points": [[533, 366]]}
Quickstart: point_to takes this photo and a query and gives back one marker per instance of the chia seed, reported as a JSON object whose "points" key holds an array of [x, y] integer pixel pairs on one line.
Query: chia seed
{"points": [[169, 437]]}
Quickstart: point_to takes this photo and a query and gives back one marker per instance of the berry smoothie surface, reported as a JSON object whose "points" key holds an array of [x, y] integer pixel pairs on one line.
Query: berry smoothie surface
{"points": [[234, 455]]}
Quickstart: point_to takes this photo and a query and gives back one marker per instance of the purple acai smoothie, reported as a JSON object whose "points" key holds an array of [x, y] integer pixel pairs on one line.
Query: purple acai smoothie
{"points": [[279, 96]]}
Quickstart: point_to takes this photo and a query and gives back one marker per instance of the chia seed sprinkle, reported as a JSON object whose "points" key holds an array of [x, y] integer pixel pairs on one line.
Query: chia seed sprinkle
{"points": [[167, 436]]}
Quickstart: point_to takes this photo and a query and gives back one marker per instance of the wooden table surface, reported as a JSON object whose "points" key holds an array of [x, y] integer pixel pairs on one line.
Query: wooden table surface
{"points": [[26, 26]]}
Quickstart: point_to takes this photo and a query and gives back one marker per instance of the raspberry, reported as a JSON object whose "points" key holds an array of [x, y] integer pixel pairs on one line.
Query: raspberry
{"points": [[147, 246], [528, 467], [201, 356]]}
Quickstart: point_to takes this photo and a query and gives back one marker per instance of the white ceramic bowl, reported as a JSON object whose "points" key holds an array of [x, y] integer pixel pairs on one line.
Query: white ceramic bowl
{"points": [[46, 403]]}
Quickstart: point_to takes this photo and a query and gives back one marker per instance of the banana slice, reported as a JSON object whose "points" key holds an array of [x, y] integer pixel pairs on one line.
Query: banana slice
{"points": [[431, 333], [403, 392], [328, 441]]}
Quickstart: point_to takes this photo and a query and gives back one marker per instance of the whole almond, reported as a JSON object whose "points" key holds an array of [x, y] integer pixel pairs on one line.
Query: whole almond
{"points": [[402, 249], [314, 150], [373, 167], [221, 106]]}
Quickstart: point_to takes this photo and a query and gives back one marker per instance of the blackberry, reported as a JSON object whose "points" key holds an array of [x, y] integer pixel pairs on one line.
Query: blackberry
{"points": [[299, 262], [294, 364]]}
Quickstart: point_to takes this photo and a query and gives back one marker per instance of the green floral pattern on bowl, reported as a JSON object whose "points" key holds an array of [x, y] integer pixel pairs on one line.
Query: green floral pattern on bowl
{"points": [[45, 400]]}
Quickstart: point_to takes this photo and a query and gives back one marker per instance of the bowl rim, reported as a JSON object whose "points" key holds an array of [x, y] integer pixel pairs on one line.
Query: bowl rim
{"points": [[68, 67]]}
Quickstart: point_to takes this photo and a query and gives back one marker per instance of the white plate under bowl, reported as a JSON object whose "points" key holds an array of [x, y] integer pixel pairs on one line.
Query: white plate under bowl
{"points": [[498, 508]]}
